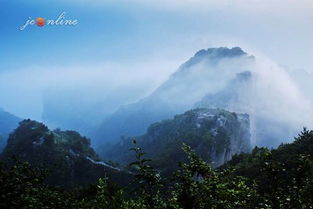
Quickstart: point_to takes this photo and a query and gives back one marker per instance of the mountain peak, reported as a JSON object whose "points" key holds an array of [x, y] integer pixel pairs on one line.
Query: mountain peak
{"points": [[214, 55], [221, 52]]}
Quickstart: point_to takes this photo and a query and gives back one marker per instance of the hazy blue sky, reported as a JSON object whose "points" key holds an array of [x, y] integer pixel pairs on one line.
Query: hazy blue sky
{"points": [[115, 39]]}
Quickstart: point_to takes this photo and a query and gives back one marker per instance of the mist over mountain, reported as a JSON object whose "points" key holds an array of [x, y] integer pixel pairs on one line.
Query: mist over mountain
{"points": [[82, 107], [8, 122], [227, 78], [244, 94], [207, 71], [303, 79]]}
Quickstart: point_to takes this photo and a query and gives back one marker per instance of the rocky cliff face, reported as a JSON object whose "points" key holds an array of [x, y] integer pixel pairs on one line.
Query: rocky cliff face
{"points": [[68, 156], [216, 135]]}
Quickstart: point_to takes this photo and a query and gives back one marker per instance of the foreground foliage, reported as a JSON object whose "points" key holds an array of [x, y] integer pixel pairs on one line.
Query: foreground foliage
{"points": [[280, 178]]}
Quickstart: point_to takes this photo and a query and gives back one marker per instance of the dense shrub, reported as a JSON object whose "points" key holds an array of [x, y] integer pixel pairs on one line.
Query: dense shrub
{"points": [[280, 178]]}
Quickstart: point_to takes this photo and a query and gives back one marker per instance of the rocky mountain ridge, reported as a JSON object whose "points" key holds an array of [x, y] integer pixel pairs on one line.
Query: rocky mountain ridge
{"points": [[70, 160], [216, 135]]}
